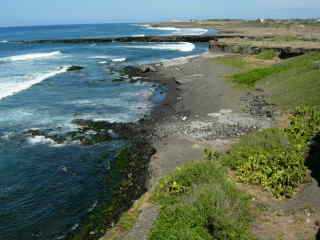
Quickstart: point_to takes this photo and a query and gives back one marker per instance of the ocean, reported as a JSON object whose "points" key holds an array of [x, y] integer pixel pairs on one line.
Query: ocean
{"points": [[47, 188]]}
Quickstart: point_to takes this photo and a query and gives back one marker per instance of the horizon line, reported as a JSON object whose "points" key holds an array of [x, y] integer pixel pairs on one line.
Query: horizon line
{"points": [[154, 21]]}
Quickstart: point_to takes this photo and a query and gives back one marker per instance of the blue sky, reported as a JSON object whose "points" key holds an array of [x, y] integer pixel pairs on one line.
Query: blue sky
{"points": [[42, 12]]}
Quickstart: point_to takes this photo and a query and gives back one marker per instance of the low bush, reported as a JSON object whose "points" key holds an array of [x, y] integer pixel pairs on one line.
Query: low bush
{"points": [[275, 158]]}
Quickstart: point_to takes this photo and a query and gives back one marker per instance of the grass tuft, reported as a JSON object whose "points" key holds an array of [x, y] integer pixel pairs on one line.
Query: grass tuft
{"points": [[198, 201]]}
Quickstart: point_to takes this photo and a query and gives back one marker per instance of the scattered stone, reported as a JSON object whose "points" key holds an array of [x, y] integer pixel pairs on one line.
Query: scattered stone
{"points": [[258, 106]]}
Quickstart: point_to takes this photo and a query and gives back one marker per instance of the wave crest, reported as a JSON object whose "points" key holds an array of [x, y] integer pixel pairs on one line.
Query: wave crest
{"points": [[12, 87], [178, 31], [182, 46], [31, 56], [119, 60]]}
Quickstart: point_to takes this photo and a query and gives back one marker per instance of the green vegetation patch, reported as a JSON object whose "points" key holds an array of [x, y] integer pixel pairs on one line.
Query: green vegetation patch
{"points": [[250, 77], [267, 54], [293, 82], [198, 201], [298, 85], [275, 158]]}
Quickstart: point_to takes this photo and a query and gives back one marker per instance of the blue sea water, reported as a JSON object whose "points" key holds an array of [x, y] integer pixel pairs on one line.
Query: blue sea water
{"points": [[47, 188]]}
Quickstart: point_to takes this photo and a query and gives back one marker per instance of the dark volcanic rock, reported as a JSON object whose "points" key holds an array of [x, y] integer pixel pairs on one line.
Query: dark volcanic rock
{"points": [[133, 71], [75, 68], [92, 132]]}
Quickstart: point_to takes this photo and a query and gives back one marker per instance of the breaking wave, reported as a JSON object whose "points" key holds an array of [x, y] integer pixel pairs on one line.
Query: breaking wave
{"points": [[31, 56], [9, 88], [182, 46]]}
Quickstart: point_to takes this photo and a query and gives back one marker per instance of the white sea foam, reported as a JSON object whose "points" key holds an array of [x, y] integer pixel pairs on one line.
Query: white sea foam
{"points": [[10, 88], [192, 31], [138, 35], [31, 56], [179, 31], [164, 28], [119, 60], [182, 46], [40, 140], [107, 57], [101, 57]]}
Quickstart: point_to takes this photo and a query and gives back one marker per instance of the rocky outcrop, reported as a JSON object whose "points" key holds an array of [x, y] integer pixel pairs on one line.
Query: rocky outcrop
{"points": [[91, 132], [283, 52], [134, 71]]}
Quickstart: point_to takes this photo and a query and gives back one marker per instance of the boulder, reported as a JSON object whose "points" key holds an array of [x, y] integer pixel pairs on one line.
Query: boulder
{"points": [[75, 68]]}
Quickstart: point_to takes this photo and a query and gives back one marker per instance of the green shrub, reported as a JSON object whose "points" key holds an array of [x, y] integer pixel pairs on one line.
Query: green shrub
{"points": [[206, 205], [304, 124], [182, 181], [275, 158]]}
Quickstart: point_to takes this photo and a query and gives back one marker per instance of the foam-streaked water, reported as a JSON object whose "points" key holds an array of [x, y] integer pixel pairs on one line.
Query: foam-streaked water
{"points": [[46, 187]]}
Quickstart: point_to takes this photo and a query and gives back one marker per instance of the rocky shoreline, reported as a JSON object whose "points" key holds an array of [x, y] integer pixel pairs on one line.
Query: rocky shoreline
{"points": [[181, 131], [145, 136], [132, 162]]}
